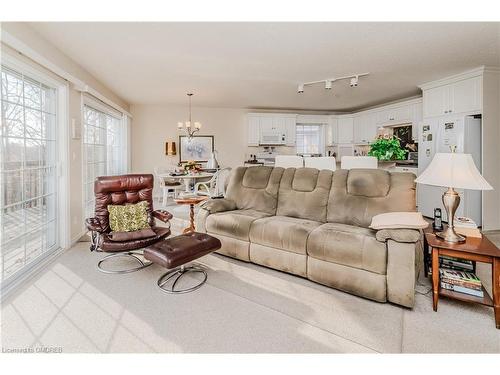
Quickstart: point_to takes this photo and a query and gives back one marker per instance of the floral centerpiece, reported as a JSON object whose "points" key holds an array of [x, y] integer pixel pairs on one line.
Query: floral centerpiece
{"points": [[192, 167], [387, 147]]}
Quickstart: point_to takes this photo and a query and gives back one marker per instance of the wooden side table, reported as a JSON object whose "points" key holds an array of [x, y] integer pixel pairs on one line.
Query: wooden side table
{"points": [[475, 249], [192, 201]]}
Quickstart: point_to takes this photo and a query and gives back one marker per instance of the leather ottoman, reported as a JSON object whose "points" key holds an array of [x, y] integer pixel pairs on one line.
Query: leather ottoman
{"points": [[173, 253]]}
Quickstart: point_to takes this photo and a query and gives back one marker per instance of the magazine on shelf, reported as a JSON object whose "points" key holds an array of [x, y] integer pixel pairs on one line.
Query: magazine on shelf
{"points": [[461, 289], [459, 275]]}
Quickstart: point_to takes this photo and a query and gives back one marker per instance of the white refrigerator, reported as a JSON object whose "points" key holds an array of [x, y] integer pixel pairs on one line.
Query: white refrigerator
{"points": [[438, 135]]}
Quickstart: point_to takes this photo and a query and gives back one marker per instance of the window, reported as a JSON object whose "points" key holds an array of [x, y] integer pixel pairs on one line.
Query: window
{"points": [[309, 139], [29, 194], [104, 149]]}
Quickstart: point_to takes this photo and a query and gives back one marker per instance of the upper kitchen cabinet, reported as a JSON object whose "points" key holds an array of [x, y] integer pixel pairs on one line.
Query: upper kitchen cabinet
{"points": [[271, 129], [345, 129], [253, 130], [365, 127], [394, 114], [453, 96]]}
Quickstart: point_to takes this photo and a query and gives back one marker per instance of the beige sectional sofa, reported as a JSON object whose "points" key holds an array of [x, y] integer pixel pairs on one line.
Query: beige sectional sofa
{"points": [[315, 224]]}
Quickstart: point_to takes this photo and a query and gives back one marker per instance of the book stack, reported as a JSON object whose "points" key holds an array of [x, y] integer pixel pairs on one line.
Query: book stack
{"points": [[466, 227], [452, 263], [460, 281]]}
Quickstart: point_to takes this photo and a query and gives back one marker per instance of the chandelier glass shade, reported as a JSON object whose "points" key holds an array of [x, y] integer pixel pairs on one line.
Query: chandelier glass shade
{"points": [[189, 127]]}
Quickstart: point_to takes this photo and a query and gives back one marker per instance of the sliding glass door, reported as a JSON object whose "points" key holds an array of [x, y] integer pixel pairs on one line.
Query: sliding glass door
{"points": [[28, 170], [104, 148]]}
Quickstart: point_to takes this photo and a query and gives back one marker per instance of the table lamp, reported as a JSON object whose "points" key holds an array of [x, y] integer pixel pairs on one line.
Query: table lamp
{"points": [[452, 170]]}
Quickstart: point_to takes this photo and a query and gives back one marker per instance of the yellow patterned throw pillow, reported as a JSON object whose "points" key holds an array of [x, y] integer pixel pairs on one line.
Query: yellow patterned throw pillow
{"points": [[129, 217]]}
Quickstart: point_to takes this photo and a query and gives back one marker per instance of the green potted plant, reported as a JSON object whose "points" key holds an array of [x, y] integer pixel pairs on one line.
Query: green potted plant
{"points": [[387, 147]]}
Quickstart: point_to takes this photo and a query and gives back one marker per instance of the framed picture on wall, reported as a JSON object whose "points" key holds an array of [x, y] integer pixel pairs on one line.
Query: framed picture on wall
{"points": [[198, 148]]}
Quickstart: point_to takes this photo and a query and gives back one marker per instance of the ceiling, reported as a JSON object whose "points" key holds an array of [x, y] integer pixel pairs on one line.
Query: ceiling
{"points": [[258, 65]]}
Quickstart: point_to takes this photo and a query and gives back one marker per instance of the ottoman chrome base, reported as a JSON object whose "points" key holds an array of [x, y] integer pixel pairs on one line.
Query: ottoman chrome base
{"points": [[127, 254], [165, 286]]}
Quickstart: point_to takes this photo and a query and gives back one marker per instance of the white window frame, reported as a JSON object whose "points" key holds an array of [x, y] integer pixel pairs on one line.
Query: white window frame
{"points": [[62, 160], [322, 140], [89, 101]]}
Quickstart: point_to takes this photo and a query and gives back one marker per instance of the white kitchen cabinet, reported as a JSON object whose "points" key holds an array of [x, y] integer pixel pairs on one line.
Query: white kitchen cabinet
{"points": [[253, 130], [394, 114], [345, 130], [457, 97], [331, 132], [416, 119], [290, 131], [267, 124], [371, 127], [466, 95], [359, 127], [436, 101], [365, 127]]}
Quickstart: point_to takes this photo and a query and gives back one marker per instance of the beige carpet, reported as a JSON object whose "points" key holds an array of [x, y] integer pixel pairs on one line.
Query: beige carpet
{"points": [[243, 308]]}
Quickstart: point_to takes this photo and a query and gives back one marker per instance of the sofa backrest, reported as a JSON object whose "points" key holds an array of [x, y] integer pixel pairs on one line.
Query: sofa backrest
{"points": [[359, 194], [304, 192], [255, 188]]}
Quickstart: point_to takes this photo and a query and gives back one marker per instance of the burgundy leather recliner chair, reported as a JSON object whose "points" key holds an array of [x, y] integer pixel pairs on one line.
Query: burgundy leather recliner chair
{"points": [[118, 190]]}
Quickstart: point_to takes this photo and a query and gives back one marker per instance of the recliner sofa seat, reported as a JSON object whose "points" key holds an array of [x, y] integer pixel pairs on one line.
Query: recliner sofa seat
{"points": [[315, 224]]}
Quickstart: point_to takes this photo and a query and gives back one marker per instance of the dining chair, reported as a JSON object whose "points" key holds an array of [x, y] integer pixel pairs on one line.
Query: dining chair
{"points": [[354, 162], [216, 187], [169, 186], [322, 162], [289, 161]]}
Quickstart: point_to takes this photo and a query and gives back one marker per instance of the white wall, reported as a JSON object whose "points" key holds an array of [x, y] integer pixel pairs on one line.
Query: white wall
{"points": [[41, 46], [153, 125]]}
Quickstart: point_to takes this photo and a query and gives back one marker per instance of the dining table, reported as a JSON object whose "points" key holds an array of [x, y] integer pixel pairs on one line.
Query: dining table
{"points": [[188, 178]]}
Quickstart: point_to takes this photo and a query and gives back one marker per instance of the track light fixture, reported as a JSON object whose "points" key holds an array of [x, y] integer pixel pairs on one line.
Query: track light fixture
{"points": [[354, 81]]}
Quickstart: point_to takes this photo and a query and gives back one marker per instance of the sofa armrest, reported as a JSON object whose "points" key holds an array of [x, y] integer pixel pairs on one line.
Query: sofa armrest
{"points": [[399, 235], [93, 224], [162, 215], [218, 205]]}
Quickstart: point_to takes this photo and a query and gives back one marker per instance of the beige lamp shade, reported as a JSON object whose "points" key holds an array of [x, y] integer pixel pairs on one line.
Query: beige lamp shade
{"points": [[170, 148], [453, 170]]}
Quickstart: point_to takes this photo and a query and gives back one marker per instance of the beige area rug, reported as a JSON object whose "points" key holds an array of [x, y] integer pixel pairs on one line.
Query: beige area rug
{"points": [[243, 308]]}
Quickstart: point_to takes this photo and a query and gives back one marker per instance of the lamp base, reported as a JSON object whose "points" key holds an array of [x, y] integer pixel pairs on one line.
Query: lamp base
{"points": [[449, 235], [451, 200]]}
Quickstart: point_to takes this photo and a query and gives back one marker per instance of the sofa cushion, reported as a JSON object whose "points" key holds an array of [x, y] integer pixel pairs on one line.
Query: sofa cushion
{"points": [[304, 193], [255, 188], [234, 224], [359, 194], [282, 232], [348, 245]]}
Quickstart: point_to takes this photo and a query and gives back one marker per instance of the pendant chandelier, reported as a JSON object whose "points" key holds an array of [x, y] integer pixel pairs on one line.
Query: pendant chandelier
{"points": [[188, 126]]}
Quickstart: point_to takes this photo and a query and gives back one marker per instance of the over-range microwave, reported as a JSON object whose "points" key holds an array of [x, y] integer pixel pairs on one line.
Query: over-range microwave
{"points": [[272, 138]]}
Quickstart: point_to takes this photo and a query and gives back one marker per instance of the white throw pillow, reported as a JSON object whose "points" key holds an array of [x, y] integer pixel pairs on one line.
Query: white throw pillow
{"points": [[399, 220]]}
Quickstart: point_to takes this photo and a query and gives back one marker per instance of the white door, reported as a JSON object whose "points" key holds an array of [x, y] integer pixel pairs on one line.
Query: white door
{"points": [[29, 179]]}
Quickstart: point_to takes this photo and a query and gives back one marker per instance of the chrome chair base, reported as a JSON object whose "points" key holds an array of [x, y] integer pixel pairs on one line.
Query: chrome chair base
{"points": [[179, 272], [128, 254]]}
